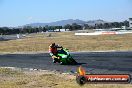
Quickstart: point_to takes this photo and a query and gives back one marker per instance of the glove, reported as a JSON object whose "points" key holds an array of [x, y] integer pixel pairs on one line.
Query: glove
{"points": [[54, 56]]}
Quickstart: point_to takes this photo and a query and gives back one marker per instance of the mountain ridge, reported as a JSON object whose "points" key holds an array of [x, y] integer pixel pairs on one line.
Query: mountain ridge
{"points": [[65, 22]]}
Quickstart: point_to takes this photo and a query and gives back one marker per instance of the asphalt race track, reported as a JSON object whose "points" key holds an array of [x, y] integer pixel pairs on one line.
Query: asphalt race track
{"points": [[11, 37], [93, 62]]}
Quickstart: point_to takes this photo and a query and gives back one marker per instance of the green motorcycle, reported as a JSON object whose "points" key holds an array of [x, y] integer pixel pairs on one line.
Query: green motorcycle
{"points": [[65, 57]]}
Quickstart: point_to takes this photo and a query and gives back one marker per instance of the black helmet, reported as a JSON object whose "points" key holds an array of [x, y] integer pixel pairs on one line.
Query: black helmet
{"points": [[53, 44]]}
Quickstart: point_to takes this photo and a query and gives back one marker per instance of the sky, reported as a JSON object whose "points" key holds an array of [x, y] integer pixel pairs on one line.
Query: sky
{"points": [[15, 13]]}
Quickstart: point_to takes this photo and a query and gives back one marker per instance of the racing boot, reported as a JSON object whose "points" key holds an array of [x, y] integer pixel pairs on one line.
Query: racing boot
{"points": [[54, 61]]}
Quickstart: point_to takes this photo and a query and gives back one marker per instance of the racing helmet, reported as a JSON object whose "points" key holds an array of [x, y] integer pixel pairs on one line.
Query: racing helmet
{"points": [[53, 44]]}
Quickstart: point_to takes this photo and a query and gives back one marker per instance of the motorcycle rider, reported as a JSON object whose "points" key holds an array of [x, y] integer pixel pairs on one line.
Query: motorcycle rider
{"points": [[53, 52]]}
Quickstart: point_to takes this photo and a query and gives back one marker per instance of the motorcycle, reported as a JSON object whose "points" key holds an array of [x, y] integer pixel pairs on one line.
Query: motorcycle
{"points": [[65, 57]]}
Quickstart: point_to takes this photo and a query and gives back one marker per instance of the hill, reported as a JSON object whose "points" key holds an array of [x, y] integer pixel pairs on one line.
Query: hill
{"points": [[64, 22]]}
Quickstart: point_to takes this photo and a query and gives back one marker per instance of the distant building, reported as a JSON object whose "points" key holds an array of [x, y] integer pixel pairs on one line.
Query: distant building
{"points": [[61, 30], [124, 27], [130, 22]]}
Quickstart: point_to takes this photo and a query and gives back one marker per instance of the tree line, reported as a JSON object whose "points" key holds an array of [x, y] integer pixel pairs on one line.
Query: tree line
{"points": [[30, 29], [71, 27], [26, 29], [107, 25]]}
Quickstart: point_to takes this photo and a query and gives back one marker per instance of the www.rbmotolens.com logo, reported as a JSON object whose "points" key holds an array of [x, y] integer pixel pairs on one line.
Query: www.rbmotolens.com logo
{"points": [[83, 78]]}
